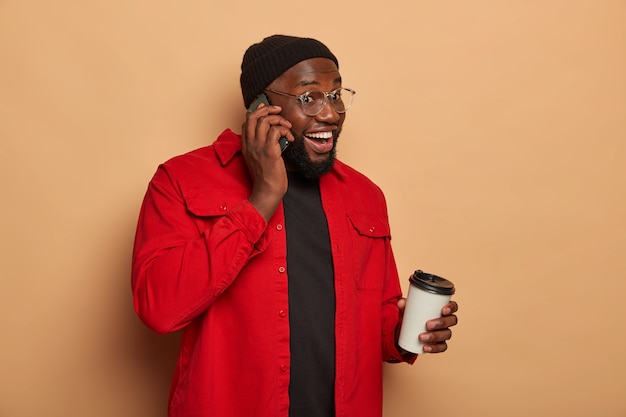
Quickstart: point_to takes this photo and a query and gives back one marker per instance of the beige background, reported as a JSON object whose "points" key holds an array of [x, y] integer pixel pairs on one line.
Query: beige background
{"points": [[496, 128]]}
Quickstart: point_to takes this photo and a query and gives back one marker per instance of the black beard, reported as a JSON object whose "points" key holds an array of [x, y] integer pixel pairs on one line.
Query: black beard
{"points": [[297, 156]]}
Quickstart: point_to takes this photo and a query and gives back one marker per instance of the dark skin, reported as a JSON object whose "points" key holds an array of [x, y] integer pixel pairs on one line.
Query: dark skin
{"points": [[261, 132]]}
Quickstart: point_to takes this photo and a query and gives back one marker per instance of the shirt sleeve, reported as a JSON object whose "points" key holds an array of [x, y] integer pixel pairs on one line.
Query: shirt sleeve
{"points": [[179, 268]]}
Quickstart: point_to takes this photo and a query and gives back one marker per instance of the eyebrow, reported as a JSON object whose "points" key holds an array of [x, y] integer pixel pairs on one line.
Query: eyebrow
{"points": [[305, 83]]}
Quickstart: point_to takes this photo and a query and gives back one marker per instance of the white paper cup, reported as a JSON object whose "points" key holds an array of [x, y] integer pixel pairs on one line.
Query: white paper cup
{"points": [[426, 297]]}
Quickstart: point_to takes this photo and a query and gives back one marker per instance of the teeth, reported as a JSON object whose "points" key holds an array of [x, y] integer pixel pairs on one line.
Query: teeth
{"points": [[321, 135]]}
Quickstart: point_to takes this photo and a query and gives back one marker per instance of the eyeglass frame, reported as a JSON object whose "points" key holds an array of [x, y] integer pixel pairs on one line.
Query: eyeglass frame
{"points": [[302, 96]]}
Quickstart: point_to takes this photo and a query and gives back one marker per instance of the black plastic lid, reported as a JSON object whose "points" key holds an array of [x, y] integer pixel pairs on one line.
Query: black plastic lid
{"points": [[432, 283]]}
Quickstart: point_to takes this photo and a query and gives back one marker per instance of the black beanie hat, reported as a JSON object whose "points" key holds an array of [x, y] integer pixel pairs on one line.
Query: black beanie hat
{"points": [[265, 61]]}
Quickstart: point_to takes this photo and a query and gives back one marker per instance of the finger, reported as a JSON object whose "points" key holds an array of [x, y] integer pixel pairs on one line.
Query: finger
{"points": [[264, 111], [259, 121], [402, 303], [274, 135], [257, 107], [252, 119], [435, 337], [272, 125], [275, 120], [442, 322], [436, 348], [450, 308]]}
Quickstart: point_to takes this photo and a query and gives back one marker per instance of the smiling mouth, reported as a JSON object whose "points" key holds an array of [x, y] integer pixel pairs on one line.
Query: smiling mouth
{"points": [[320, 142], [321, 137]]}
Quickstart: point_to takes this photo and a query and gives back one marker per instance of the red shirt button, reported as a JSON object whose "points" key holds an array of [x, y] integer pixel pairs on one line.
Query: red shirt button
{"points": [[283, 368]]}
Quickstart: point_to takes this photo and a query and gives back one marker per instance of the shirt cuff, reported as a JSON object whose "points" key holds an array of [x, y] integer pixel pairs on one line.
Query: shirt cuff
{"points": [[250, 221]]}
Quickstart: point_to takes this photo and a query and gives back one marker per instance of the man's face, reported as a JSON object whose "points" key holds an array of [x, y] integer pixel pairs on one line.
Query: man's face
{"points": [[313, 152]]}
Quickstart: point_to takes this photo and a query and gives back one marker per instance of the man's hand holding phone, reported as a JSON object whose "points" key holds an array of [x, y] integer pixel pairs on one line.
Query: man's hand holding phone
{"points": [[261, 132], [262, 100]]}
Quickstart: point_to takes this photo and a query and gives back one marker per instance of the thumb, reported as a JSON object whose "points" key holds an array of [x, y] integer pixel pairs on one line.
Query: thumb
{"points": [[402, 303]]}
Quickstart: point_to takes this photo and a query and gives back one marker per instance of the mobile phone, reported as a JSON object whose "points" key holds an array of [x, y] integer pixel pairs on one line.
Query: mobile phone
{"points": [[262, 98]]}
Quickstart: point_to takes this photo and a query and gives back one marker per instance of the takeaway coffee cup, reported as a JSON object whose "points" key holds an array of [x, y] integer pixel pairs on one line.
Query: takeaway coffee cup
{"points": [[426, 297]]}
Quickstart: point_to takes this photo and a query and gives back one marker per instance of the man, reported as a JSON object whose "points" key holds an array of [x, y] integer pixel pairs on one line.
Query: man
{"points": [[277, 266]]}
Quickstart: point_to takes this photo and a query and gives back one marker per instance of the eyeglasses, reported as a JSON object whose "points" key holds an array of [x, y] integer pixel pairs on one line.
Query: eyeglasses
{"points": [[313, 102]]}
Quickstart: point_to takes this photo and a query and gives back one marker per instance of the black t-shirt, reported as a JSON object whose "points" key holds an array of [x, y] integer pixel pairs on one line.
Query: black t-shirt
{"points": [[311, 301]]}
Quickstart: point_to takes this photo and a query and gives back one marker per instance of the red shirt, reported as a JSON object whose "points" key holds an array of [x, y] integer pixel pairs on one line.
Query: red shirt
{"points": [[205, 260]]}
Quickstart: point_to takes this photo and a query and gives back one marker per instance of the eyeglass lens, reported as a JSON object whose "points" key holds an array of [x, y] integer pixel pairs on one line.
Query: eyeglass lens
{"points": [[340, 99]]}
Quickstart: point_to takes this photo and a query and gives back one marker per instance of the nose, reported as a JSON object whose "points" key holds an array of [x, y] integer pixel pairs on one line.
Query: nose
{"points": [[328, 113]]}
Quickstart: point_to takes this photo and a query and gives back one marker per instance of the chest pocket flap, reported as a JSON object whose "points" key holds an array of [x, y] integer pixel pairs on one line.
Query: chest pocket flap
{"points": [[369, 225], [212, 203]]}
